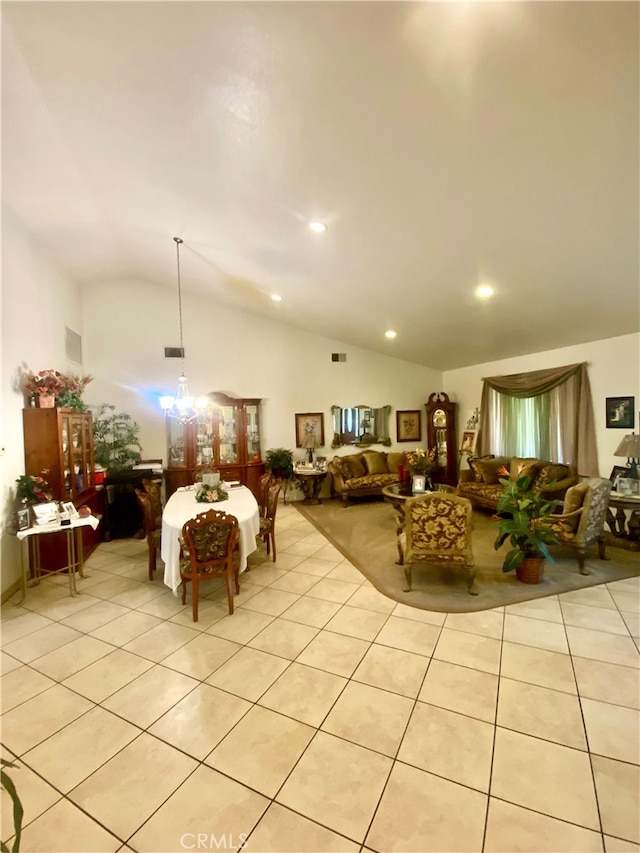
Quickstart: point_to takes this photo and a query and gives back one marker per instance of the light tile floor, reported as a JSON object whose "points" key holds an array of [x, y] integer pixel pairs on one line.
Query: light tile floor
{"points": [[321, 716]]}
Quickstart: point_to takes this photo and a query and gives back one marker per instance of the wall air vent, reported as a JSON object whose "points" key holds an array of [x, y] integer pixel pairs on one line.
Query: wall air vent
{"points": [[338, 356], [173, 352], [72, 346]]}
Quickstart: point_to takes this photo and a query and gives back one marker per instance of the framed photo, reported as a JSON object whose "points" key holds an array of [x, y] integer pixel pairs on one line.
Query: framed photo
{"points": [[468, 441], [619, 471], [70, 509], [45, 513], [309, 425], [23, 519], [408, 425], [418, 484], [620, 412]]}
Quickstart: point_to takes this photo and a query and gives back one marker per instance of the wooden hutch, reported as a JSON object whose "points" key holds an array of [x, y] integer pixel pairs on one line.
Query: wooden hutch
{"points": [[226, 437], [61, 442]]}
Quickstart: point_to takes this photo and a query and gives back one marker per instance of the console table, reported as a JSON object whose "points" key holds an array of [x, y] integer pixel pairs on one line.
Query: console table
{"points": [[75, 556], [618, 523]]}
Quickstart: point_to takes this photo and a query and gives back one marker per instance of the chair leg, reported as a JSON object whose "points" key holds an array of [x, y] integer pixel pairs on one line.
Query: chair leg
{"points": [[152, 561], [407, 575], [184, 590], [582, 553], [230, 592], [236, 575], [267, 543], [602, 553], [471, 582], [195, 584], [273, 546]]}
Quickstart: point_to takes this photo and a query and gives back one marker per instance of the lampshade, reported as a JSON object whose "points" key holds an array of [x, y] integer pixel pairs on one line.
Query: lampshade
{"points": [[629, 447]]}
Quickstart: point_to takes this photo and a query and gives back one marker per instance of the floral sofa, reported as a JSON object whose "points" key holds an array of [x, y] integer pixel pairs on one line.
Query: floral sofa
{"points": [[362, 474], [480, 483]]}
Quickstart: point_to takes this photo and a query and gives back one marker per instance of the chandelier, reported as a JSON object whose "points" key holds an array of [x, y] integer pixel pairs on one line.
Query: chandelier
{"points": [[183, 407]]}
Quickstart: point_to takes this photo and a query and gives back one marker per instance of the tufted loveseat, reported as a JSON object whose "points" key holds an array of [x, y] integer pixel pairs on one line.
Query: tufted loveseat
{"points": [[362, 474], [480, 484]]}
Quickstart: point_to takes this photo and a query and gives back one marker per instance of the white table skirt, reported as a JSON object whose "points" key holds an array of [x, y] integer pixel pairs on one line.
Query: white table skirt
{"points": [[182, 506]]}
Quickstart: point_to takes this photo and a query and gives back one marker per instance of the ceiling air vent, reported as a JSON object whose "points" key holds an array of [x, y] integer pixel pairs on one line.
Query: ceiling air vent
{"points": [[338, 356], [173, 352]]}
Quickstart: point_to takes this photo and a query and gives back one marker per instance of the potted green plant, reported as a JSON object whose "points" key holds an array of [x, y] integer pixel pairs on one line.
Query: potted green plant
{"points": [[70, 396], [279, 461], [523, 520], [18, 811], [116, 445]]}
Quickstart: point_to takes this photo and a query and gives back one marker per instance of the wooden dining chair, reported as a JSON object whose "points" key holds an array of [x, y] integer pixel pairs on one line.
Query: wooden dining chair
{"points": [[210, 549], [268, 520], [263, 487], [152, 526]]}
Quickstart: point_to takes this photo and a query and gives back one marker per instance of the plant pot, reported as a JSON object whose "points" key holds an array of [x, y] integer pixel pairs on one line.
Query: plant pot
{"points": [[530, 570], [46, 401]]}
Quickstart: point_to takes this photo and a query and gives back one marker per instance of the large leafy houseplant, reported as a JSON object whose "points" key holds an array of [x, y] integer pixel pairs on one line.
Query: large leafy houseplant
{"points": [[523, 519], [279, 461], [116, 445]]}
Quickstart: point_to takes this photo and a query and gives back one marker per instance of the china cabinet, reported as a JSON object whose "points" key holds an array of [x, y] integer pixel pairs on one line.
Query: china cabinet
{"points": [[226, 437], [441, 434], [61, 441]]}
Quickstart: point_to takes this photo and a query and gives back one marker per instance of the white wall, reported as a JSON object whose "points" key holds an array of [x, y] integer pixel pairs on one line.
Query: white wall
{"points": [[128, 324], [614, 371], [37, 304]]}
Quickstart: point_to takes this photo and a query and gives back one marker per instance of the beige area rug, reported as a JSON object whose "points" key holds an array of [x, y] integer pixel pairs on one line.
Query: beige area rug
{"points": [[365, 533]]}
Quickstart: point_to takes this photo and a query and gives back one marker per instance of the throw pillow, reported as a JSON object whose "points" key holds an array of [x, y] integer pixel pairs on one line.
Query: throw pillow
{"points": [[490, 471], [376, 463], [471, 462], [573, 500], [393, 460], [356, 465], [551, 471], [342, 467]]}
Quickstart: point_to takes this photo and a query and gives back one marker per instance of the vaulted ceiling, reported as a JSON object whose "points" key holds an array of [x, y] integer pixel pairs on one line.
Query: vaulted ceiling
{"points": [[444, 145]]}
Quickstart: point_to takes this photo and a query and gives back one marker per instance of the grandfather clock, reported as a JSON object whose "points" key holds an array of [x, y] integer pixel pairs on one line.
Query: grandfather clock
{"points": [[441, 434]]}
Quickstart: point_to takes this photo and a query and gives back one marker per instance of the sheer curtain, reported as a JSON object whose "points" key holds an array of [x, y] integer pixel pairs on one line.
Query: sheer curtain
{"points": [[544, 413]]}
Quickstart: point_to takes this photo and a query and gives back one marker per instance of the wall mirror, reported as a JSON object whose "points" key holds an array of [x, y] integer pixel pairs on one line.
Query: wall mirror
{"points": [[360, 426]]}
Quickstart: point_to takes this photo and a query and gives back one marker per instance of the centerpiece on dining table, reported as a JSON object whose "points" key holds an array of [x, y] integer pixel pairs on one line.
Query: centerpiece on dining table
{"points": [[208, 494]]}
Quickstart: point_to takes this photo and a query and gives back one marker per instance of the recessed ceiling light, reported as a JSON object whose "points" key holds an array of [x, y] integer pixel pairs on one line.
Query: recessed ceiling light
{"points": [[317, 227], [276, 297], [484, 291], [390, 334]]}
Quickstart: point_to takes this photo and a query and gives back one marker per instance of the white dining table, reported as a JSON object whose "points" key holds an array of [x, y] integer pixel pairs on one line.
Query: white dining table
{"points": [[182, 505]]}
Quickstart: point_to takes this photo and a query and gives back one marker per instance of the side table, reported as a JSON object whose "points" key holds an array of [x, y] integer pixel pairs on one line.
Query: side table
{"points": [[30, 538], [310, 482], [618, 523]]}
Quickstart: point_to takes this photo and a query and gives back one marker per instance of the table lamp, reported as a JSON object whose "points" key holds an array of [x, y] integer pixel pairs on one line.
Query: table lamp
{"points": [[630, 447], [310, 445]]}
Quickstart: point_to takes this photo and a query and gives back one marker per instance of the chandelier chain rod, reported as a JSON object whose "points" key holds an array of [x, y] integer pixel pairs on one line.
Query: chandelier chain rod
{"points": [[178, 241]]}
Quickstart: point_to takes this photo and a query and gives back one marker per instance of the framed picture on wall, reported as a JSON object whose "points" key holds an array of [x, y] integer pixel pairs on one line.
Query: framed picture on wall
{"points": [[408, 425], [468, 442], [620, 412], [309, 428]]}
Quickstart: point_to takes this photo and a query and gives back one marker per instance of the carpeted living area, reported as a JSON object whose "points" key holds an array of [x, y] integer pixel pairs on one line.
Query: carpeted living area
{"points": [[365, 533]]}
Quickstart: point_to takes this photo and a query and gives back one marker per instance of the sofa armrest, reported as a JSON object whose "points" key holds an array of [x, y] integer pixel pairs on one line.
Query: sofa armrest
{"points": [[338, 481], [557, 489], [465, 475]]}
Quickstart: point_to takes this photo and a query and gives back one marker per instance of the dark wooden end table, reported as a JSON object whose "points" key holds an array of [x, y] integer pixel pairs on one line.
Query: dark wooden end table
{"points": [[310, 482], [618, 523]]}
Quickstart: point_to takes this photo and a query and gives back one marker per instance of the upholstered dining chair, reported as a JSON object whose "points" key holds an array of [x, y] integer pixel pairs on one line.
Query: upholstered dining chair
{"points": [[210, 549], [581, 522], [268, 520], [152, 525], [437, 531], [263, 487]]}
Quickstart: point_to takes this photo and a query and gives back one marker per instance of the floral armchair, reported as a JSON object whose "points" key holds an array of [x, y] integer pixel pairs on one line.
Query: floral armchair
{"points": [[438, 531], [581, 523]]}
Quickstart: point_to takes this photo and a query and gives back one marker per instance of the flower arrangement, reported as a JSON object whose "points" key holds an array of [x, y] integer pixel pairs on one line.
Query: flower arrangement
{"points": [[211, 494], [33, 489], [421, 461], [70, 396], [45, 383]]}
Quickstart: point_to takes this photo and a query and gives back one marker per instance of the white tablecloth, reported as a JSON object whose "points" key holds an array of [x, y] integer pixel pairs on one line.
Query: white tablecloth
{"points": [[182, 506]]}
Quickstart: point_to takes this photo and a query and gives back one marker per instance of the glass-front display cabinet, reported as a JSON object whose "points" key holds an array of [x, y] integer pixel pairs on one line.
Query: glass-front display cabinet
{"points": [[441, 434], [226, 437], [60, 441]]}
